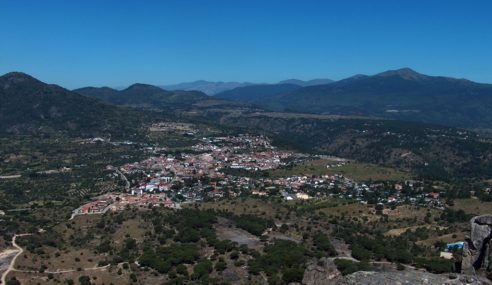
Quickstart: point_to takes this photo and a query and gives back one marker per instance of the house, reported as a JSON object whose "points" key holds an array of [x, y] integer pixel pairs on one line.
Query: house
{"points": [[433, 195], [302, 196], [446, 255]]}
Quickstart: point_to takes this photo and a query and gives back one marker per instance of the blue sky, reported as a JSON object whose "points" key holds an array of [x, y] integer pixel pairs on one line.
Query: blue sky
{"points": [[116, 43]]}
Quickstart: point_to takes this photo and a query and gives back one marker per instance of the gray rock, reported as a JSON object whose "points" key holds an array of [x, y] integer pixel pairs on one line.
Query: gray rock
{"points": [[324, 272], [408, 277], [476, 252], [230, 275]]}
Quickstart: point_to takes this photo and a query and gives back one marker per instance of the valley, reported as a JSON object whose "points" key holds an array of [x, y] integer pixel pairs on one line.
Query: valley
{"points": [[231, 194]]}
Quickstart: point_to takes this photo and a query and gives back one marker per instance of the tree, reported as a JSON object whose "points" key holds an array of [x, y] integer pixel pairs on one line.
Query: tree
{"points": [[13, 281], [85, 280]]}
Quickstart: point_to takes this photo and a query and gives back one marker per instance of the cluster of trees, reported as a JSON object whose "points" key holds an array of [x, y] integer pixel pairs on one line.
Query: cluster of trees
{"points": [[35, 242], [367, 245], [253, 224], [164, 258], [435, 264], [283, 262], [346, 266], [192, 225], [455, 216], [322, 243]]}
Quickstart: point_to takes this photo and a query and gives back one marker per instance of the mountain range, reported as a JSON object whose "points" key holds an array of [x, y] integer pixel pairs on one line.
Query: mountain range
{"points": [[402, 94], [143, 95], [207, 87], [212, 88]]}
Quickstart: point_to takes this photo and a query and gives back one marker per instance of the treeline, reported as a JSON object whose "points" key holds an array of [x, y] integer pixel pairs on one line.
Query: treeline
{"points": [[367, 245]]}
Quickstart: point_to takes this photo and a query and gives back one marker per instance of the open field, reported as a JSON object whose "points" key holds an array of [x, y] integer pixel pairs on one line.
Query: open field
{"points": [[355, 170], [246, 206], [473, 206]]}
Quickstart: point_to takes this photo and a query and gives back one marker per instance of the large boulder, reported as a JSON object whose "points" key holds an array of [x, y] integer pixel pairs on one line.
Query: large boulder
{"points": [[477, 254], [321, 273]]}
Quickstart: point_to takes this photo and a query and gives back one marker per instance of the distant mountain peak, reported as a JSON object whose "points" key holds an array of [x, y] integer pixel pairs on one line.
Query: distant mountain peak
{"points": [[405, 73], [318, 81], [139, 86], [13, 78], [207, 87], [17, 76]]}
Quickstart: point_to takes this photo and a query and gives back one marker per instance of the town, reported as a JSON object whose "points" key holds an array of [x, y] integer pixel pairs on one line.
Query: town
{"points": [[239, 166]]}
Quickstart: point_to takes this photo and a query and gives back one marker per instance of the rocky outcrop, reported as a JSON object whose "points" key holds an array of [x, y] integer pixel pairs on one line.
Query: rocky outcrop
{"points": [[408, 277], [477, 254], [320, 273]]}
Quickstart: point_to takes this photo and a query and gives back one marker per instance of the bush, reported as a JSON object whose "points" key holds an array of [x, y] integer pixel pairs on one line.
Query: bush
{"points": [[280, 256], [292, 275], [436, 265], [13, 281], [348, 267], [202, 268], [252, 224], [322, 242]]}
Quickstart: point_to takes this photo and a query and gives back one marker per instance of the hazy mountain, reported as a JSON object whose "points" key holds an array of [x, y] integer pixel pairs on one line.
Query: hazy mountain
{"points": [[306, 83], [213, 88], [258, 94], [396, 94], [400, 94], [31, 106], [144, 95], [207, 87]]}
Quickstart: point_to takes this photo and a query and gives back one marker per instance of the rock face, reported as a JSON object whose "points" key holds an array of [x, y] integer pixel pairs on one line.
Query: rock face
{"points": [[321, 273], [407, 277], [476, 252]]}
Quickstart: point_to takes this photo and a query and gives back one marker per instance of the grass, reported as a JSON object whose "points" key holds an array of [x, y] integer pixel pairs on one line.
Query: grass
{"points": [[354, 170], [473, 206], [246, 206]]}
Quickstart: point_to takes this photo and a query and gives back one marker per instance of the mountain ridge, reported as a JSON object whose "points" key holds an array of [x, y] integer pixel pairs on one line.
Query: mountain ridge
{"points": [[401, 94], [30, 106]]}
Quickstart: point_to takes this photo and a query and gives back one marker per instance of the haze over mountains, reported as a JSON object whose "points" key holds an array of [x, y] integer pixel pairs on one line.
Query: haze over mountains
{"points": [[207, 87], [401, 94], [143, 95], [395, 94], [212, 88]]}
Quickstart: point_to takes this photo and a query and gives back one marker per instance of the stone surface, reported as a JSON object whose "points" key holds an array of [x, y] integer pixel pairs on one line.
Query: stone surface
{"points": [[476, 252], [408, 277], [320, 273]]}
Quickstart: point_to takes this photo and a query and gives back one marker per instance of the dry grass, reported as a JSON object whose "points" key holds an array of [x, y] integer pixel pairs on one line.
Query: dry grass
{"points": [[408, 211], [473, 206], [354, 170], [246, 206], [452, 237], [133, 228], [101, 276], [400, 231]]}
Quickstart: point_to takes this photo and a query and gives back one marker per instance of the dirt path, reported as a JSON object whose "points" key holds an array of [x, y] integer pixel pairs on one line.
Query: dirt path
{"points": [[61, 271], [20, 250], [11, 265]]}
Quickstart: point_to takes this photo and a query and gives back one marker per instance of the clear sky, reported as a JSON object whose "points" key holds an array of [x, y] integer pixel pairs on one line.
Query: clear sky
{"points": [[115, 43]]}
